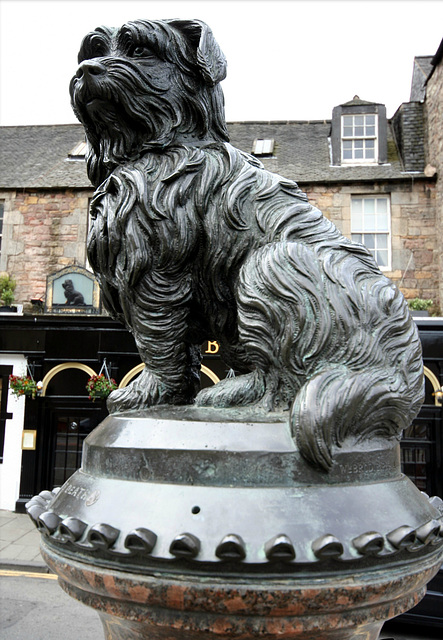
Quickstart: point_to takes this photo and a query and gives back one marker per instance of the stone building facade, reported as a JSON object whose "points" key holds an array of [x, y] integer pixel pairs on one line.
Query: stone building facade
{"points": [[434, 144], [44, 232], [414, 242], [44, 196]]}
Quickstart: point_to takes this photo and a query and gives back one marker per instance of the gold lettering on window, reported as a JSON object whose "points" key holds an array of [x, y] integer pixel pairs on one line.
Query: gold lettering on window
{"points": [[212, 347]]}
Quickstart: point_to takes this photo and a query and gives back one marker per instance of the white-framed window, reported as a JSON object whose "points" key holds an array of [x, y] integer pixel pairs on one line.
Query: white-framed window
{"points": [[359, 138], [371, 226], [263, 147]]}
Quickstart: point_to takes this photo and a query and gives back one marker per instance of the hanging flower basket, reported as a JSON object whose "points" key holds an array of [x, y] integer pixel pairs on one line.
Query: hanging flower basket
{"points": [[23, 386], [100, 386]]}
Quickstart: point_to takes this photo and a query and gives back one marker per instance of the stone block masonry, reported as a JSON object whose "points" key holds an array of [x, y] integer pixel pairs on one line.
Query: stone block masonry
{"points": [[434, 153], [416, 247], [44, 231]]}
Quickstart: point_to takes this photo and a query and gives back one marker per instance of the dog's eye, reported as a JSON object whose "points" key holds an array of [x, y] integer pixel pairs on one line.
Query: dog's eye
{"points": [[141, 52]]}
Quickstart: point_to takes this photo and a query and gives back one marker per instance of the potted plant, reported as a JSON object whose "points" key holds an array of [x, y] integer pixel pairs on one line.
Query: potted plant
{"points": [[23, 386], [100, 386], [7, 287], [419, 306]]}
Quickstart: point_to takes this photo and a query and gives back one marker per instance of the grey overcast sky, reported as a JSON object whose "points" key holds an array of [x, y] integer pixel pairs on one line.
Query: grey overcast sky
{"points": [[287, 59]]}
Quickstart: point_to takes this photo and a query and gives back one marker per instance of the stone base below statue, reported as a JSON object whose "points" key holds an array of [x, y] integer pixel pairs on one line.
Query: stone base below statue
{"points": [[168, 607]]}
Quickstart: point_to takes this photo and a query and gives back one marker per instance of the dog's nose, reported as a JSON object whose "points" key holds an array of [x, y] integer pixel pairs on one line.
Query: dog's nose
{"points": [[90, 68]]}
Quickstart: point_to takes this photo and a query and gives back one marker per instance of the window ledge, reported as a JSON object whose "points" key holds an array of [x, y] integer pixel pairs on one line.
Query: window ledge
{"points": [[366, 164]]}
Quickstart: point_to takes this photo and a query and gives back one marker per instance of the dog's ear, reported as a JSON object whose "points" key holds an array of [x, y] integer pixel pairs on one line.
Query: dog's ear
{"points": [[210, 58]]}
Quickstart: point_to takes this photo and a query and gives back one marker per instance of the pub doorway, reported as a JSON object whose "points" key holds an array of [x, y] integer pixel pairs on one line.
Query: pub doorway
{"points": [[70, 425]]}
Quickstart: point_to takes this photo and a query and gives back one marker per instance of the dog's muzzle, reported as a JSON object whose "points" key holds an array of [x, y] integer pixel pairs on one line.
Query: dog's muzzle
{"points": [[88, 83], [90, 69]]}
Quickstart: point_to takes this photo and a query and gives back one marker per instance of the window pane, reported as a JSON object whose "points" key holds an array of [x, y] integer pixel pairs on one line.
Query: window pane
{"points": [[369, 222], [370, 131], [369, 149], [369, 240], [370, 119], [382, 222], [347, 150], [382, 258], [382, 205], [268, 146], [359, 120], [369, 205], [357, 222], [358, 144], [358, 154], [347, 131], [382, 241], [356, 237], [359, 131], [258, 147], [357, 205]]}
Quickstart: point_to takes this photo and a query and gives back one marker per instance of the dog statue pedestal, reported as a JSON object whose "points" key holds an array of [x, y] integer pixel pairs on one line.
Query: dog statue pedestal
{"points": [[200, 523]]}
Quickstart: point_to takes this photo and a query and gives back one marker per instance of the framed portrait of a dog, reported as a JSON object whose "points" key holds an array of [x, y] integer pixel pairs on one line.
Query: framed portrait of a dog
{"points": [[72, 290]]}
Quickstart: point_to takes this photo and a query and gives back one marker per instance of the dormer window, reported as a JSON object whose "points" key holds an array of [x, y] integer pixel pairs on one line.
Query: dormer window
{"points": [[359, 138], [359, 133]]}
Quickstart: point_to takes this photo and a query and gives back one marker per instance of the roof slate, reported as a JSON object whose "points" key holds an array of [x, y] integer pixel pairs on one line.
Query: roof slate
{"points": [[408, 124], [357, 102], [422, 69], [37, 156]]}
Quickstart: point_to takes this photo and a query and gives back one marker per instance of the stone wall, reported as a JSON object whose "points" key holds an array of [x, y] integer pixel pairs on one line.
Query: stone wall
{"points": [[46, 231], [42, 233], [434, 152], [415, 245]]}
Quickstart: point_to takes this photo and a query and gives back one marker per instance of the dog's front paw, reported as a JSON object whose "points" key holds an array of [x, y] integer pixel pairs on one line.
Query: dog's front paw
{"points": [[240, 391], [145, 391]]}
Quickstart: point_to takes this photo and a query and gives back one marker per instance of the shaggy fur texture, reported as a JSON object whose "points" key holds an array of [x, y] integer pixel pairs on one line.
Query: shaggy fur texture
{"points": [[193, 239]]}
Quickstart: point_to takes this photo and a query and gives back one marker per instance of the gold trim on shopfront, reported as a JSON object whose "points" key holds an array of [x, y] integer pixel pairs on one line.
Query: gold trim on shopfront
{"points": [[62, 367], [133, 372]]}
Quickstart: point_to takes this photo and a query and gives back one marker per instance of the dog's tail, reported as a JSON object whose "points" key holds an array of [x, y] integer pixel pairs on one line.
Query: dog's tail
{"points": [[338, 404]]}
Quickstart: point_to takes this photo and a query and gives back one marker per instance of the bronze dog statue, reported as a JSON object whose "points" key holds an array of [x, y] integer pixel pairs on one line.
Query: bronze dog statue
{"points": [[193, 239]]}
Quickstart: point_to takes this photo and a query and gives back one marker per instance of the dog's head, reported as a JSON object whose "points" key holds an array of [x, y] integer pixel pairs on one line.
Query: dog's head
{"points": [[146, 86], [67, 285]]}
